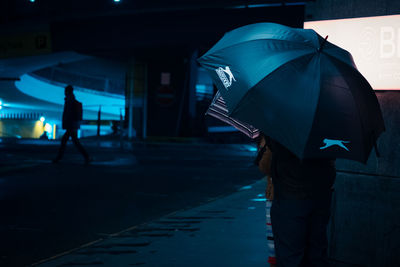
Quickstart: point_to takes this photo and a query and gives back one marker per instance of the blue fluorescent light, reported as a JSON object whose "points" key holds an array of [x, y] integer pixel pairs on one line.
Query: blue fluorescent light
{"points": [[117, 1], [201, 87], [32, 1]]}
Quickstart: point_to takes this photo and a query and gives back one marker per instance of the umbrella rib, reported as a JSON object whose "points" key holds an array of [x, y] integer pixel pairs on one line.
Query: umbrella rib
{"points": [[243, 125], [224, 114], [217, 109], [354, 99]]}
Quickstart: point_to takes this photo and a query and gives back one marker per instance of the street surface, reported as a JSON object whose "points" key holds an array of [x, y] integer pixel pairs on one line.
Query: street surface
{"points": [[47, 209]]}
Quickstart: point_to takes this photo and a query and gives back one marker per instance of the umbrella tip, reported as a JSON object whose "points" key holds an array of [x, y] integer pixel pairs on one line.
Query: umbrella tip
{"points": [[322, 44]]}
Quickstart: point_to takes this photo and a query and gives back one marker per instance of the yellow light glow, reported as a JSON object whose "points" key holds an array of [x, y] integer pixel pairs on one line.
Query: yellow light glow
{"points": [[37, 129], [54, 131], [374, 43]]}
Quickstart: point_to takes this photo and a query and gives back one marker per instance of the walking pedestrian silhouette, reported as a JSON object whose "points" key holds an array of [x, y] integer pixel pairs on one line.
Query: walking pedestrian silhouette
{"points": [[71, 120]]}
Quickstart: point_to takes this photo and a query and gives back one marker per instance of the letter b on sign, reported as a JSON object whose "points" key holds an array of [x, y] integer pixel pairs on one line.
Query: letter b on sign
{"points": [[389, 44]]}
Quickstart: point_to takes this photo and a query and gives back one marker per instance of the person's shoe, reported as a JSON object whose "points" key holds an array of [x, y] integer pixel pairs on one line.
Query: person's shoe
{"points": [[88, 161]]}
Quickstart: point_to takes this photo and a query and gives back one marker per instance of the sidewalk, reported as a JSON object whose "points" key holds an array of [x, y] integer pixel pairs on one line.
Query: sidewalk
{"points": [[228, 231]]}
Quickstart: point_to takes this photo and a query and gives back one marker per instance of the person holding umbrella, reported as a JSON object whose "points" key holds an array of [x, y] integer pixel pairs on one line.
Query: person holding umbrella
{"points": [[301, 204], [300, 208], [314, 106]]}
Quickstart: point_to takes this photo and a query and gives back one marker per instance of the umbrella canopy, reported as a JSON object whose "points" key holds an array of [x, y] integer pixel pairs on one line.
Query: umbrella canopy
{"points": [[218, 109], [297, 88]]}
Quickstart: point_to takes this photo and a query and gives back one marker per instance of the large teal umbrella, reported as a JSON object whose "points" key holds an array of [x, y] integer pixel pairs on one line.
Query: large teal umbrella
{"points": [[298, 88]]}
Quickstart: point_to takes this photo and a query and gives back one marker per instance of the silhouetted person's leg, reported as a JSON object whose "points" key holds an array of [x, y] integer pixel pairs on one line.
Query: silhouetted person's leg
{"points": [[74, 137], [289, 226], [61, 150], [316, 255]]}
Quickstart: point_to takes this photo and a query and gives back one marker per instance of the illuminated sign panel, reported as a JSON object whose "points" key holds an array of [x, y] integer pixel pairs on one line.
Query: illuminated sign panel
{"points": [[374, 43]]}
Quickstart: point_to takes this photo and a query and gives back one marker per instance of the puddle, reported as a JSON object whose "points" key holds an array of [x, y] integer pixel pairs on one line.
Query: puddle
{"points": [[175, 229], [82, 263], [247, 187], [116, 162], [190, 218], [110, 252], [258, 199], [157, 235], [178, 222], [123, 245], [213, 211]]}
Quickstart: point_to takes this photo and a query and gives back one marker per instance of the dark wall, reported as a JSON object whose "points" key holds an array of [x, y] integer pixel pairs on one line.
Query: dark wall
{"points": [[44, 11], [337, 9], [143, 33], [365, 228], [366, 217]]}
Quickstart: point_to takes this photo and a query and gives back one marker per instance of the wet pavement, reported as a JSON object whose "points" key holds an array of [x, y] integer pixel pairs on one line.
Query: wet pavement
{"points": [[228, 231], [48, 209]]}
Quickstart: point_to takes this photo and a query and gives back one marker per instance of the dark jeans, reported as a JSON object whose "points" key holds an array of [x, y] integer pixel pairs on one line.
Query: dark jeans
{"points": [[74, 136], [300, 231]]}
